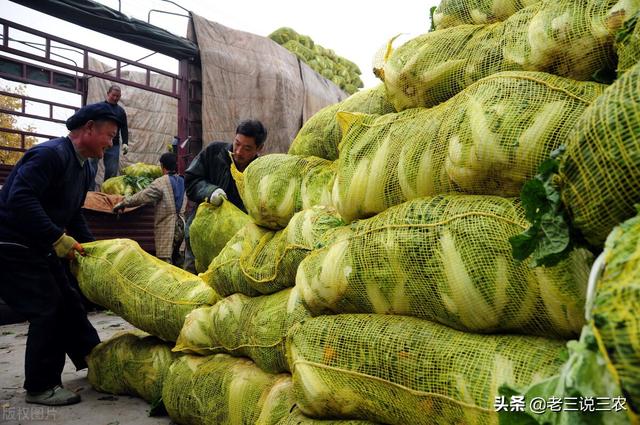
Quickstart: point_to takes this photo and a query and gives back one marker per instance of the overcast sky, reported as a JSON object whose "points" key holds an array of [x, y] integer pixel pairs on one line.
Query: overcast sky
{"points": [[353, 29]]}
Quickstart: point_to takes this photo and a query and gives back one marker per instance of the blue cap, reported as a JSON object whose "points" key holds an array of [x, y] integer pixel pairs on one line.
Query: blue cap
{"points": [[94, 111]]}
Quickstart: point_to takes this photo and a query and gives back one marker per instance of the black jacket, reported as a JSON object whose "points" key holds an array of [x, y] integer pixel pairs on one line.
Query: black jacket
{"points": [[119, 112], [209, 170], [44, 195]]}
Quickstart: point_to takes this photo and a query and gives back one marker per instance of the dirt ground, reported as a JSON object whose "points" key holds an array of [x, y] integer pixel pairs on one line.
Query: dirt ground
{"points": [[95, 409]]}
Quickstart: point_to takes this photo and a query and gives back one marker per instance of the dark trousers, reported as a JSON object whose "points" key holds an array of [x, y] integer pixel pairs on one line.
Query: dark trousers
{"points": [[35, 285]]}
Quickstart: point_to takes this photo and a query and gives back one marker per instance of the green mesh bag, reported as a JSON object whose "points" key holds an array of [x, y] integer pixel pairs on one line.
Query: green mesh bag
{"points": [[446, 259], [253, 327], [257, 261], [140, 169], [296, 417], [302, 52], [451, 13], [217, 390], [212, 228], [320, 135], [272, 187], [284, 34], [224, 274], [485, 140], [403, 370], [117, 186], [585, 391], [568, 38], [147, 292], [133, 363], [600, 170], [627, 40], [278, 403], [616, 310], [317, 184]]}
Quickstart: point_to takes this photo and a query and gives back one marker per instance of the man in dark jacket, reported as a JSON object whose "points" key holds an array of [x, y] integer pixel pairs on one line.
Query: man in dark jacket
{"points": [[41, 225], [112, 155], [209, 178]]}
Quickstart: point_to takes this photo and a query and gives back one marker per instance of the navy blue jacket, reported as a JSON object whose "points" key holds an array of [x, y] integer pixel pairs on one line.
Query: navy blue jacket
{"points": [[120, 113], [43, 196]]}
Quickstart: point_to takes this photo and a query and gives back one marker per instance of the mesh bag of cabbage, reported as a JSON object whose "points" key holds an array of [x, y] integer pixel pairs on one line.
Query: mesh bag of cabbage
{"points": [[272, 187], [616, 321], [320, 135], [147, 292], [628, 41], [220, 390], [451, 13], [253, 327], [485, 140], [140, 169], [403, 370], [447, 259], [131, 362], [600, 170], [258, 261], [117, 186], [568, 38], [296, 417], [212, 228]]}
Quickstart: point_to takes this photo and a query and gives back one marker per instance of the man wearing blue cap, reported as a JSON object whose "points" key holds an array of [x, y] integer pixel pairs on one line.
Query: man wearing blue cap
{"points": [[41, 224]]}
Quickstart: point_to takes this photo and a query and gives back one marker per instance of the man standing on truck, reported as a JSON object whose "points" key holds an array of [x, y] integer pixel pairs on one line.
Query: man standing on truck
{"points": [[41, 225], [168, 194], [209, 177], [112, 155]]}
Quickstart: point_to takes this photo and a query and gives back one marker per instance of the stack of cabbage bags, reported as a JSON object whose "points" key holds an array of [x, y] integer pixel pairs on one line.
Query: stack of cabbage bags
{"points": [[344, 73]]}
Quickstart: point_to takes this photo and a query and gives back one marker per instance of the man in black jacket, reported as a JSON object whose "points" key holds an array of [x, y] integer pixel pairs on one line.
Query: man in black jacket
{"points": [[112, 154], [209, 178], [41, 225]]}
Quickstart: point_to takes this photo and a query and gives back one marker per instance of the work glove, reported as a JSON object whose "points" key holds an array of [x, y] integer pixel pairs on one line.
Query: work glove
{"points": [[66, 247], [217, 197], [118, 208], [125, 149]]}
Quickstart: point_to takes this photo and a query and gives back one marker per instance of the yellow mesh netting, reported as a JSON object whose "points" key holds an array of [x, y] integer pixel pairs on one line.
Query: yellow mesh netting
{"points": [[451, 13], [217, 390], [252, 327], [563, 37], [141, 169], [616, 310], [224, 274], [238, 177], [258, 261], [627, 39], [131, 362], [320, 135], [272, 184], [147, 292], [485, 140], [212, 228], [447, 259], [278, 403], [117, 186], [402, 370], [600, 170], [317, 184], [296, 417]]}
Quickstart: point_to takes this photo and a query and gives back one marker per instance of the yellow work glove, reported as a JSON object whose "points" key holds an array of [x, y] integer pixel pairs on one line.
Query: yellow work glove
{"points": [[66, 246]]}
